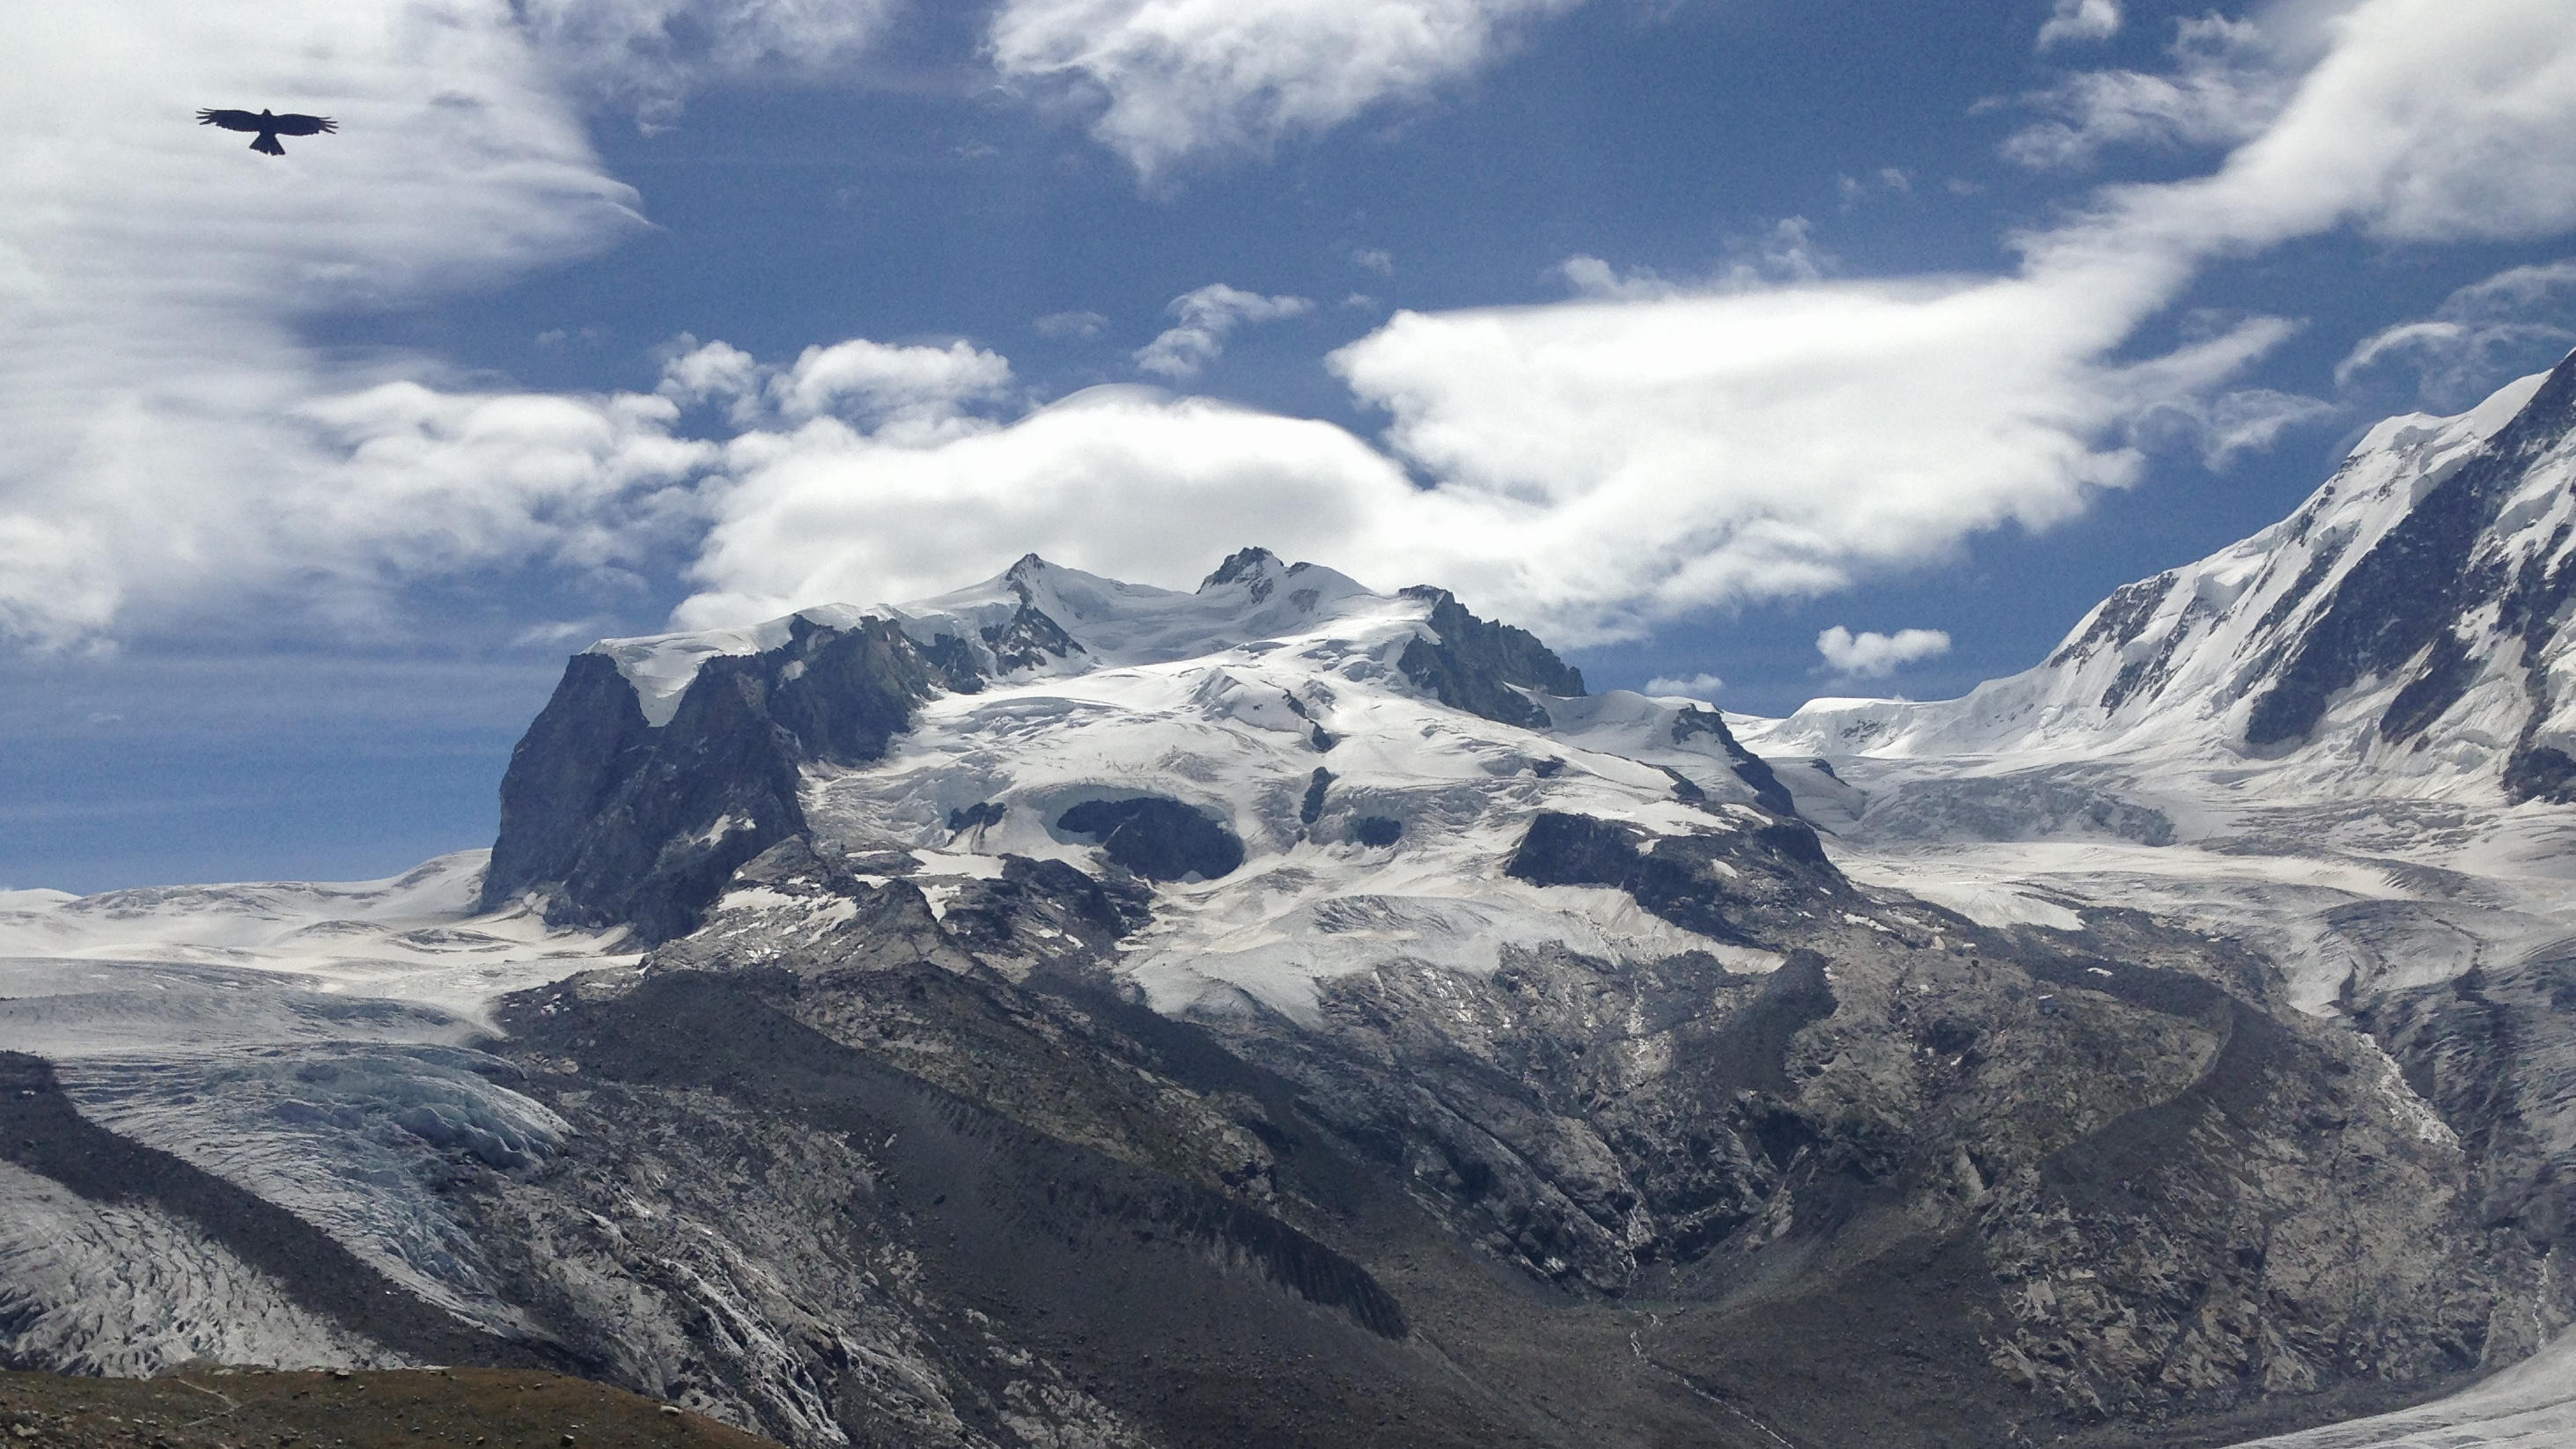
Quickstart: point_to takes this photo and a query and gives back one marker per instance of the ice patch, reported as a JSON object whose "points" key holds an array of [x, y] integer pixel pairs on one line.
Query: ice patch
{"points": [[354, 1141]]}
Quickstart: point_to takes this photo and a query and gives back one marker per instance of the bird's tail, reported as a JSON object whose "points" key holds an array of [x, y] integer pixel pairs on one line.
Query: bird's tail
{"points": [[268, 143]]}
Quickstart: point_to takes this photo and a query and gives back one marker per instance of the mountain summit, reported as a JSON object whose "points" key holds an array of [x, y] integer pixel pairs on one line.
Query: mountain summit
{"points": [[979, 723], [2404, 632]]}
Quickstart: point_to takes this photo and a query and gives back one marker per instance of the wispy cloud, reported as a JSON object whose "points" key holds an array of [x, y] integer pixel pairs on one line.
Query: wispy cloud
{"points": [[1206, 318], [2225, 86], [1171, 82], [165, 438], [2483, 335], [649, 56], [1070, 324], [2079, 21]]}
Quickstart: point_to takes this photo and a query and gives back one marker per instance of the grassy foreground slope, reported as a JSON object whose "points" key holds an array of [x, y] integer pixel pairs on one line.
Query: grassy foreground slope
{"points": [[495, 1408]]}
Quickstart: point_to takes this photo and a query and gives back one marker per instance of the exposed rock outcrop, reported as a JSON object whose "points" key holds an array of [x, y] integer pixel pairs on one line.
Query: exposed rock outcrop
{"points": [[618, 821], [1157, 838], [1482, 667]]}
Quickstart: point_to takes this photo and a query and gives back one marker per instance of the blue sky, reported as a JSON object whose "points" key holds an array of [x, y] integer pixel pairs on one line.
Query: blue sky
{"points": [[1815, 347]]}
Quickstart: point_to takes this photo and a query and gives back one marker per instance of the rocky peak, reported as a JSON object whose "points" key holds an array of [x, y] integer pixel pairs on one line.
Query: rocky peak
{"points": [[1257, 571], [1484, 668]]}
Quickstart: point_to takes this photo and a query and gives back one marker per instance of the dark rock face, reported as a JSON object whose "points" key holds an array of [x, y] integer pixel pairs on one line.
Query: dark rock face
{"points": [[969, 817], [1029, 638], [589, 740], [2495, 1052], [1476, 663], [1311, 809], [1157, 838], [1749, 767], [622, 822], [1376, 831], [1700, 882], [1245, 563], [2397, 606], [2537, 772]]}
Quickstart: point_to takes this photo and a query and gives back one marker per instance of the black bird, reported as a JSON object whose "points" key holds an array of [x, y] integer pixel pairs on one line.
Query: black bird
{"points": [[269, 127]]}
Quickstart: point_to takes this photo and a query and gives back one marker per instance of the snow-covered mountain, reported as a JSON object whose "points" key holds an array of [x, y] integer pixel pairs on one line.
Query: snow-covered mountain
{"points": [[1067, 1012], [2402, 633], [1302, 763]]}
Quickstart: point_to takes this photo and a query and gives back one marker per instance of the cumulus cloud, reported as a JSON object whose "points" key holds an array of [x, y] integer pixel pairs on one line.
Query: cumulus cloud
{"points": [[1871, 655], [1172, 79], [1646, 458], [164, 437], [2483, 335], [1690, 686], [2075, 21], [650, 55], [1207, 316]]}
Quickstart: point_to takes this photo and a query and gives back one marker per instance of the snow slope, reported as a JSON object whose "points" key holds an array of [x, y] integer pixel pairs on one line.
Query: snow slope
{"points": [[2406, 618], [2530, 1406], [1276, 701], [2397, 635], [1272, 701], [412, 938]]}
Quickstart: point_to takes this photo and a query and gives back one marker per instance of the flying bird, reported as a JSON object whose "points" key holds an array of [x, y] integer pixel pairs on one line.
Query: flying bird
{"points": [[270, 127]]}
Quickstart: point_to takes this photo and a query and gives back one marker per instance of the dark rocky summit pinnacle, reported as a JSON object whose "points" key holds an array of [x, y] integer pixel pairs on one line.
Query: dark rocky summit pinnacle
{"points": [[1481, 667], [621, 822]]}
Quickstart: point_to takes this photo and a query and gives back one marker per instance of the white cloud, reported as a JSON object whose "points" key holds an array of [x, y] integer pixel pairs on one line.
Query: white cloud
{"points": [[650, 55], [1124, 481], [1654, 446], [888, 386], [2420, 122], [1660, 447], [1207, 316], [2482, 335], [2076, 21], [1070, 324], [1647, 458], [1786, 252], [912, 392], [1374, 259], [1178, 78], [1692, 686], [1669, 447], [167, 447], [1875, 656], [2225, 87]]}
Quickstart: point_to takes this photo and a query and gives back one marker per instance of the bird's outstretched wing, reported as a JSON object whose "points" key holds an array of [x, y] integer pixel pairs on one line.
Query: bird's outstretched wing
{"points": [[294, 125], [231, 120]]}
